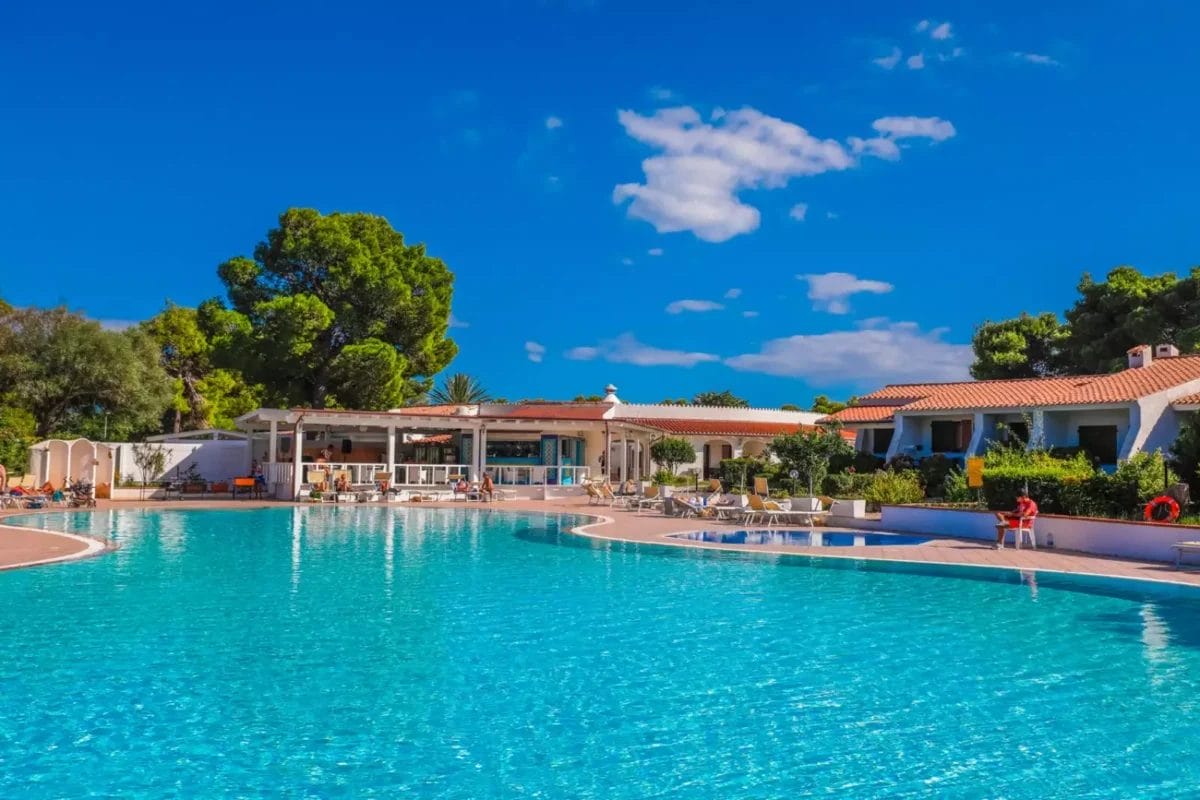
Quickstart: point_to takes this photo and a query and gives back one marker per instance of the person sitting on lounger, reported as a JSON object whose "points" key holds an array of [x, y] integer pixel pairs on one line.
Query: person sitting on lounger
{"points": [[1026, 510], [342, 484], [487, 489]]}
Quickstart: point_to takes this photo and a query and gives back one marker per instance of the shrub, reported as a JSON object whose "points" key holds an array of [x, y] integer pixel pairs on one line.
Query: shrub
{"points": [[809, 453], [672, 451], [1057, 484], [955, 488], [848, 485], [934, 471], [858, 461], [890, 487], [662, 477], [902, 463], [738, 473]]}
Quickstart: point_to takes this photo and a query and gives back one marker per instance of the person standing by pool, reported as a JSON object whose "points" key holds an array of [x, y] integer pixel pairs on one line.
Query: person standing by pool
{"points": [[487, 489], [1026, 509]]}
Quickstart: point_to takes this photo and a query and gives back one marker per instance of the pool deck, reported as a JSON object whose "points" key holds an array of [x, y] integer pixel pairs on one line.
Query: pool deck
{"points": [[21, 547]]}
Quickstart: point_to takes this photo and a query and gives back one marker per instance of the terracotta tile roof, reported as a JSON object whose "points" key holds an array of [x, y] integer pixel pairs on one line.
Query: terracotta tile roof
{"points": [[873, 413], [716, 427], [1187, 400], [1125, 386]]}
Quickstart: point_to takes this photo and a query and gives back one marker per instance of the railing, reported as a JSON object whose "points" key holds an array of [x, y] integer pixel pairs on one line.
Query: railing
{"points": [[516, 475], [430, 474], [277, 473], [359, 473]]}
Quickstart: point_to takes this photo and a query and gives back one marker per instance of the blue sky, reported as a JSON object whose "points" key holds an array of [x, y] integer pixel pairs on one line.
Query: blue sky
{"points": [[752, 196]]}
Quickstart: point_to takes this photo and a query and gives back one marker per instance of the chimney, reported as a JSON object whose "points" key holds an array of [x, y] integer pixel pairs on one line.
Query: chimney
{"points": [[610, 395], [1139, 356], [1166, 351]]}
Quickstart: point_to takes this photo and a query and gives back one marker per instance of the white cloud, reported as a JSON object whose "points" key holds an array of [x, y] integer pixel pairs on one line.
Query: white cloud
{"points": [[535, 352], [1036, 58], [679, 306], [934, 128], [626, 349], [553, 122], [749, 314], [923, 26], [882, 352], [654, 251], [893, 129], [941, 32], [455, 322], [733, 294], [799, 211], [627, 261], [694, 182], [831, 215], [916, 62], [877, 146], [583, 353], [831, 291], [889, 61]]}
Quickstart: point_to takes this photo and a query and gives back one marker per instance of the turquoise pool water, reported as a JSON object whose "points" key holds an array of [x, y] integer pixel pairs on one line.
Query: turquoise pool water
{"points": [[357, 652]]}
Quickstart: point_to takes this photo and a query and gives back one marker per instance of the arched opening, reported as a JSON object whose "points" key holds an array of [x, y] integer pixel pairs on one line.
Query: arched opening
{"points": [[715, 451]]}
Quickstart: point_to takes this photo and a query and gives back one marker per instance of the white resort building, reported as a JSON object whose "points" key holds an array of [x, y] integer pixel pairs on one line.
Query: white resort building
{"points": [[531, 447], [1110, 417]]}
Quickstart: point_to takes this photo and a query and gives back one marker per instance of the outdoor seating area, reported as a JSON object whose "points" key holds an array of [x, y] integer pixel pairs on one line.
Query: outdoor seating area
{"points": [[23, 493], [710, 504], [330, 485]]}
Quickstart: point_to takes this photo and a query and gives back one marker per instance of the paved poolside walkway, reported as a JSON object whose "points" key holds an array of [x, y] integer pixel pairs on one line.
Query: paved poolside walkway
{"points": [[23, 546]]}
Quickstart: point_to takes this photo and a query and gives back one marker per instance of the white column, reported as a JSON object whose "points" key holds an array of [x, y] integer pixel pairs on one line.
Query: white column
{"points": [[297, 459], [624, 457], [638, 447], [391, 453], [607, 454], [272, 442], [483, 452], [95, 462]]}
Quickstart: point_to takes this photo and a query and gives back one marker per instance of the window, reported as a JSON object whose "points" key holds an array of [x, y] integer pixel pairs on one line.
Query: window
{"points": [[1099, 442], [510, 449], [949, 436], [881, 440]]}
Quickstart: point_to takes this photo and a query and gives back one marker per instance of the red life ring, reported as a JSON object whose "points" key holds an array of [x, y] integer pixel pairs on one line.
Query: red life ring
{"points": [[1162, 509]]}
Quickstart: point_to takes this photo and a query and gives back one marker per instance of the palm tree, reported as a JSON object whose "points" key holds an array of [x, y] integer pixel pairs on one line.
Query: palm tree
{"points": [[459, 389]]}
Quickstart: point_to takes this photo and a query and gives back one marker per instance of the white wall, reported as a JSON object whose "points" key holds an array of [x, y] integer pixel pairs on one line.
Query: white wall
{"points": [[1138, 540], [216, 460], [645, 411]]}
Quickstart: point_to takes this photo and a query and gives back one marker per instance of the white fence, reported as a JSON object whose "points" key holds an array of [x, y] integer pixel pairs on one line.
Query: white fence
{"points": [[504, 475], [1145, 541]]}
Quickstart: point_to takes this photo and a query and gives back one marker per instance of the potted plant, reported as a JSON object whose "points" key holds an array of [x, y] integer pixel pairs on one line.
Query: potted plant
{"points": [[193, 482]]}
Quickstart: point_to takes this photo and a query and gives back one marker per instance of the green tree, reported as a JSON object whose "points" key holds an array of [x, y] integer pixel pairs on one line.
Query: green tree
{"points": [[1024, 347], [205, 396], [337, 310], [821, 404], [672, 451], [791, 407], [725, 399], [1112, 316], [809, 452], [76, 378], [460, 389], [17, 430], [1185, 453], [681, 401]]}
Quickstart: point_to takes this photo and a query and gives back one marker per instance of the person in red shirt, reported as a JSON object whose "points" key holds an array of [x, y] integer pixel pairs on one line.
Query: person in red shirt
{"points": [[1026, 509]]}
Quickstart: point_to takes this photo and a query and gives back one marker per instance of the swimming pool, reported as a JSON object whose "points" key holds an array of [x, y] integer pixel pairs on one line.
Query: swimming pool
{"points": [[818, 537], [344, 652]]}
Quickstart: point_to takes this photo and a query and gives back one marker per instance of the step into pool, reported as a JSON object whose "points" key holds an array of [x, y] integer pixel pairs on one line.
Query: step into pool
{"points": [[824, 537]]}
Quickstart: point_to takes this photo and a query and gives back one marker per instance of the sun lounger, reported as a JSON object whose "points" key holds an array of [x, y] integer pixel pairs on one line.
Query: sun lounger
{"points": [[650, 499]]}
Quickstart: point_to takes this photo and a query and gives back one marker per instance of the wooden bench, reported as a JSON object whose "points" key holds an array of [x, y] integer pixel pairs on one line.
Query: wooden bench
{"points": [[1184, 547], [250, 486]]}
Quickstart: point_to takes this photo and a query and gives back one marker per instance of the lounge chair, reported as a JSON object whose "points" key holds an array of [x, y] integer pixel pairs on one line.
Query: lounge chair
{"points": [[650, 498], [608, 496], [593, 494], [760, 510], [760, 487]]}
